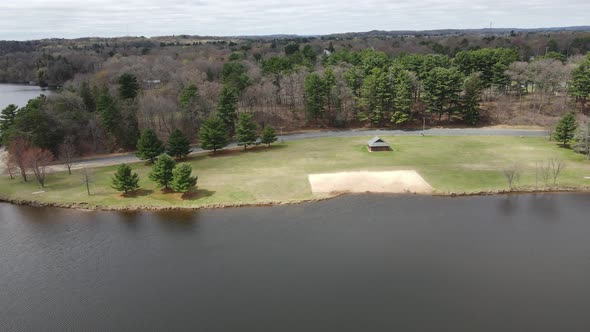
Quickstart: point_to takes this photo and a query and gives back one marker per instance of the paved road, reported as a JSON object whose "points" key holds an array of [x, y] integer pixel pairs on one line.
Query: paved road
{"points": [[130, 157]]}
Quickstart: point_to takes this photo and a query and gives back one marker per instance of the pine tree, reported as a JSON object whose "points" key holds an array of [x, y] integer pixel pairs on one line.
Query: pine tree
{"points": [[128, 86], [580, 85], [566, 129], [227, 107], [213, 134], [268, 135], [149, 146], [472, 88], [7, 118], [182, 179], [178, 145], [110, 116], [315, 96], [246, 130], [162, 170], [87, 97], [125, 180]]}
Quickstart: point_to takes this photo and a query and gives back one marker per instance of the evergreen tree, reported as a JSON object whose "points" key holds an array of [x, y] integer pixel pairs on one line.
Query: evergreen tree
{"points": [[315, 96], [246, 130], [178, 145], [213, 134], [87, 97], [472, 88], [162, 170], [442, 87], [182, 179], [580, 86], [149, 145], [125, 180], [566, 129], [268, 135], [227, 107], [402, 102], [128, 86], [7, 118], [110, 116]]}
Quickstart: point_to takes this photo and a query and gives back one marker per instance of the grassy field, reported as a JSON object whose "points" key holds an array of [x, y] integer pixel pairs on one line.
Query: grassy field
{"points": [[449, 164]]}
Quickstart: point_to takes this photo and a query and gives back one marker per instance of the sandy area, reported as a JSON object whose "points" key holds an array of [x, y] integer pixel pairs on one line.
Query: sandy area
{"points": [[365, 181]]}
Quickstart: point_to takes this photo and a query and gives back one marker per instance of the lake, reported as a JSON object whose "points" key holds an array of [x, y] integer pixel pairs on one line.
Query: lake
{"points": [[354, 263], [19, 94]]}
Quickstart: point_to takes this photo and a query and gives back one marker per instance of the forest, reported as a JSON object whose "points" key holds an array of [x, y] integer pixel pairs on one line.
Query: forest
{"points": [[110, 90]]}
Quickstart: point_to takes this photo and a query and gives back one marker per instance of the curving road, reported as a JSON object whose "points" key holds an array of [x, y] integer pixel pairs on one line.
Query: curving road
{"points": [[130, 157]]}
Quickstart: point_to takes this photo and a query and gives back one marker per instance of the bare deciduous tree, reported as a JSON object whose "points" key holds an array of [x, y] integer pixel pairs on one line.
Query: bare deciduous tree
{"points": [[512, 174], [67, 152], [17, 150], [87, 177], [37, 160], [10, 166], [544, 172], [556, 166]]}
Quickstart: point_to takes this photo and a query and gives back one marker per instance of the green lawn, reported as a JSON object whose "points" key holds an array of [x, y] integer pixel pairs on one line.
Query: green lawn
{"points": [[279, 173]]}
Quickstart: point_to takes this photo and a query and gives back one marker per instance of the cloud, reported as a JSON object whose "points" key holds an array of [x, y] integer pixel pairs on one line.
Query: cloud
{"points": [[33, 19]]}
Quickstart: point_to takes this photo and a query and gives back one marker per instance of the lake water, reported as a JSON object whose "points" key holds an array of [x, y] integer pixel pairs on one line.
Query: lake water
{"points": [[355, 263], [19, 94]]}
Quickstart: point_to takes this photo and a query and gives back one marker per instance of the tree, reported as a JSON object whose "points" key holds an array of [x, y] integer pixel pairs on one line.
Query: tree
{"points": [[315, 96], [213, 134], [87, 97], [67, 152], [580, 86], [442, 87], [268, 135], [582, 140], [7, 117], [472, 88], [10, 165], [162, 170], [87, 177], [234, 75], [566, 129], [125, 180], [36, 123], [246, 130], [182, 179], [556, 166], [108, 112], [149, 146], [128, 86], [227, 107], [178, 145], [37, 160], [17, 149], [402, 100], [512, 174]]}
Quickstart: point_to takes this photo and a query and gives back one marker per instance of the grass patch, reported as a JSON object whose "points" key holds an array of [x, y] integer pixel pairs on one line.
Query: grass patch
{"points": [[449, 164]]}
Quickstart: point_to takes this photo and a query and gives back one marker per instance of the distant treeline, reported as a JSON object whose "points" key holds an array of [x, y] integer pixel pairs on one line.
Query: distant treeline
{"points": [[112, 89]]}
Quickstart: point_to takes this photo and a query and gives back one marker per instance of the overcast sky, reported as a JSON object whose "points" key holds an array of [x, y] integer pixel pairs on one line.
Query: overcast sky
{"points": [[33, 19]]}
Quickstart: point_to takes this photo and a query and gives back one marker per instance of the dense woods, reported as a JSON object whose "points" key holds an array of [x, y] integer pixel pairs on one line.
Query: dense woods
{"points": [[111, 90]]}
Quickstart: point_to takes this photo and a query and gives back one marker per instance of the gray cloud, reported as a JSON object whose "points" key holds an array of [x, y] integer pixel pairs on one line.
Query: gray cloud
{"points": [[34, 19]]}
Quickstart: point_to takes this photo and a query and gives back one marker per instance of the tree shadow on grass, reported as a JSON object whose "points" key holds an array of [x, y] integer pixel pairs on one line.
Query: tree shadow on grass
{"points": [[196, 194], [138, 193], [264, 148]]}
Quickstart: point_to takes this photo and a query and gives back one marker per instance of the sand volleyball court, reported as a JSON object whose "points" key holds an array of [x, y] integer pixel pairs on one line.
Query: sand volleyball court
{"points": [[365, 181]]}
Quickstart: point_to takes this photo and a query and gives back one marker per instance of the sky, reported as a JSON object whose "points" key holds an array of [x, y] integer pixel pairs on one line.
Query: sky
{"points": [[35, 19]]}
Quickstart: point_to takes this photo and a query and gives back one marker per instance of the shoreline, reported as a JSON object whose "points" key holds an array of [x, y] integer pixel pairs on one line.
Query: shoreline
{"points": [[135, 208]]}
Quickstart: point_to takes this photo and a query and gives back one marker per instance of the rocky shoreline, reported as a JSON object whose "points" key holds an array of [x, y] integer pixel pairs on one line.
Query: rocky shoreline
{"points": [[94, 207]]}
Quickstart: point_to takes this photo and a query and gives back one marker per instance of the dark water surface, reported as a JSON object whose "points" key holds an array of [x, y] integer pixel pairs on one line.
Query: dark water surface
{"points": [[356, 263], [19, 94]]}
